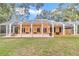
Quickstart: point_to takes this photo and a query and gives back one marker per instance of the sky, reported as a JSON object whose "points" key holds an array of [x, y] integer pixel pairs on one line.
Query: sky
{"points": [[47, 6], [50, 6]]}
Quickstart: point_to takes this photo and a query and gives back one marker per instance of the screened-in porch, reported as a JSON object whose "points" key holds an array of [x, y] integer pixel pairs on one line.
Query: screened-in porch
{"points": [[38, 29]]}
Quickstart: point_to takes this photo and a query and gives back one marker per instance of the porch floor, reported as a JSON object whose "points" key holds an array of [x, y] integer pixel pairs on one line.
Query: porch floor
{"points": [[30, 35]]}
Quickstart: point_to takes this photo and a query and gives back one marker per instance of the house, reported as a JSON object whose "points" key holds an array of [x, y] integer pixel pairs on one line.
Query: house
{"points": [[39, 28]]}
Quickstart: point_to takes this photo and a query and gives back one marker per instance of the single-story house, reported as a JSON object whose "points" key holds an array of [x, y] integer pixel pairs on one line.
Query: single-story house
{"points": [[38, 28]]}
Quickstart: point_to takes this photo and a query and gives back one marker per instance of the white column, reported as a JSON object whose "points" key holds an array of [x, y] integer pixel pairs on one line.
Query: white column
{"points": [[75, 29], [21, 29], [42, 29], [52, 30], [63, 29], [9, 29], [31, 30], [13, 29], [6, 30]]}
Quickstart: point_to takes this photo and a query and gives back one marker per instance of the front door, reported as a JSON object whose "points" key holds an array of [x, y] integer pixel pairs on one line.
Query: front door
{"points": [[57, 30]]}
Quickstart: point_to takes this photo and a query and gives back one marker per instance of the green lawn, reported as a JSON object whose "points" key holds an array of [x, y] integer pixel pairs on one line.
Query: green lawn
{"points": [[40, 46]]}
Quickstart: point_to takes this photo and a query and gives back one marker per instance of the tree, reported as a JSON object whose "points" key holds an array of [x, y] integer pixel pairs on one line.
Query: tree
{"points": [[43, 15], [5, 12], [70, 11], [66, 12], [27, 6], [56, 15]]}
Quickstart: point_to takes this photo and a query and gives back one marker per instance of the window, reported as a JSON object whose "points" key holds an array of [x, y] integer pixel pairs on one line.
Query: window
{"points": [[50, 29], [3, 29], [38, 29], [16, 30], [23, 30], [44, 30], [60, 29], [30, 29]]}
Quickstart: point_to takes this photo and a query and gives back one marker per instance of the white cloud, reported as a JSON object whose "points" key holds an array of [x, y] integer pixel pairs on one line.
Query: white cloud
{"points": [[35, 11], [39, 11], [31, 11]]}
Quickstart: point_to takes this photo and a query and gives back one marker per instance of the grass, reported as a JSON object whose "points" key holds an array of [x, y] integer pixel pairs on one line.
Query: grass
{"points": [[58, 46]]}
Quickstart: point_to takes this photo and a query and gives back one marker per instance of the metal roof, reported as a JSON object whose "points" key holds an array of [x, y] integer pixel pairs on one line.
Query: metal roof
{"points": [[14, 22]]}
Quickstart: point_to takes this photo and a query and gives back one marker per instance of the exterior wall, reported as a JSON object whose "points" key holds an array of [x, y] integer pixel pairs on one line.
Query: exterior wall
{"points": [[68, 31], [47, 26], [34, 29], [35, 26], [27, 28], [57, 30]]}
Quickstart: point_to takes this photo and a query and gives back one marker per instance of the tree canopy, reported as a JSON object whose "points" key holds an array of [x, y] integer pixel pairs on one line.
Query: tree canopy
{"points": [[5, 12], [66, 12], [27, 6], [7, 9]]}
